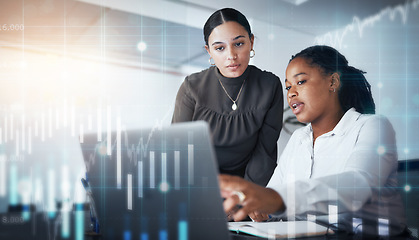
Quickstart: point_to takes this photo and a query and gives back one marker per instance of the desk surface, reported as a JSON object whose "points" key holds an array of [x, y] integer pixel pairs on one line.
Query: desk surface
{"points": [[42, 226]]}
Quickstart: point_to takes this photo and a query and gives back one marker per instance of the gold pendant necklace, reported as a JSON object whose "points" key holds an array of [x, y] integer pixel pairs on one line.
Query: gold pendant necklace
{"points": [[234, 106]]}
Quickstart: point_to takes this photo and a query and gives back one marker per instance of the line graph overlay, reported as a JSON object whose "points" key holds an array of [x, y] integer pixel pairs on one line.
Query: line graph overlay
{"points": [[336, 38]]}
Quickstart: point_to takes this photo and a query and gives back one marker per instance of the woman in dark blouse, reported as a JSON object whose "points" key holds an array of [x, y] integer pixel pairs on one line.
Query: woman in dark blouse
{"points": [[242, 104]]}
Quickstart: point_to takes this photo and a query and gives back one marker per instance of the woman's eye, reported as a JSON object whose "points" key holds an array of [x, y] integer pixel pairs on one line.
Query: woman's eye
{"points": [[239, 44], [288, 88], [301, 82], [219, 48]]}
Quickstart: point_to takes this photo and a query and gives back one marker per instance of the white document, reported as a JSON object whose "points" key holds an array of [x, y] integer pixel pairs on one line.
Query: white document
{"points": [[277, 230]]}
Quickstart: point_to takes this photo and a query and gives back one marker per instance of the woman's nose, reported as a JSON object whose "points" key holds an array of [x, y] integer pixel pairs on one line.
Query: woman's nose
{"points": [[231, 54], [292, 93]]}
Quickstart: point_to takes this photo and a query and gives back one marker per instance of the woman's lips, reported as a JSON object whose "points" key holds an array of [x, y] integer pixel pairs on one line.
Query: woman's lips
{"points": [[297, 107], [233, 66]]}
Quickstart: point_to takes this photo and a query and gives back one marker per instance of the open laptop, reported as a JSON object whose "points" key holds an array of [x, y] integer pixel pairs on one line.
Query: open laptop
{"points": [[157, 183]]}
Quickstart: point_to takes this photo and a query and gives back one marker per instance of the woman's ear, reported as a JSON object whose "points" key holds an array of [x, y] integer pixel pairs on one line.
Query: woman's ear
{"points": [[335, 81], [208, 50]]}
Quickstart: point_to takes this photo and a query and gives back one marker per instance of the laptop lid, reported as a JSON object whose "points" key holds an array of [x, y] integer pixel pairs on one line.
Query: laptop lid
{"points": [[157, 183]]}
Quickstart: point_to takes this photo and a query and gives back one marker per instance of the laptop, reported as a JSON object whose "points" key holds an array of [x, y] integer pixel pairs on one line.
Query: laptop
{"points": [[155, 183]]}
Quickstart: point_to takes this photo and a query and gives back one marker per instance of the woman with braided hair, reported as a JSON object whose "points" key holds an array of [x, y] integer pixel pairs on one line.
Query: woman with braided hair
{"points": [[344, 159]]}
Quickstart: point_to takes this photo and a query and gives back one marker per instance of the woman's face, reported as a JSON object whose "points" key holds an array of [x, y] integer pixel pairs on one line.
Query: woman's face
{"points": [[229, 45], [310, 91]]}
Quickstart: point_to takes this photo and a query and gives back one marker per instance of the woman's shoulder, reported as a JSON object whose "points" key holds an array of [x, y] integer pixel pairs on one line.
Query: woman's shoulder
{"points": [[377, 120], [199, 76], [371, 118], [265, 79], [199, 80], [361, 122]]}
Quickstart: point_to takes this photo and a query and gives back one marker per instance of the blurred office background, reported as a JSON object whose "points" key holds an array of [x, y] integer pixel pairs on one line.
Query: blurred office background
{"points": [[84, 66]]}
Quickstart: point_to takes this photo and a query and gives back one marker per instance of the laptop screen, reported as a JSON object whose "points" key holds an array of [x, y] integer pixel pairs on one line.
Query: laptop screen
{"points": [[157, 183]]}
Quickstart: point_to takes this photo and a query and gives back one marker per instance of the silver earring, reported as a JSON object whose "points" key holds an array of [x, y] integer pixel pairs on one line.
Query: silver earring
{"points": [[254, 53], [209, 60]]}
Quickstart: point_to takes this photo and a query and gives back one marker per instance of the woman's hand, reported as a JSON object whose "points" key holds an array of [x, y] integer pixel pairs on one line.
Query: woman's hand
{"points": [[258, 216], [254, 198]]}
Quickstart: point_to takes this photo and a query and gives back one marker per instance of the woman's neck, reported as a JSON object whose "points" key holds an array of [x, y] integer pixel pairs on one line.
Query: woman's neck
{"points": [[234, 80], [326, 124]]}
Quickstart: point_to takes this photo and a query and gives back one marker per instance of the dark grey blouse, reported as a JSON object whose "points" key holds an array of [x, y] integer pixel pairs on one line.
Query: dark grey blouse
{"points": [[245, 139]]}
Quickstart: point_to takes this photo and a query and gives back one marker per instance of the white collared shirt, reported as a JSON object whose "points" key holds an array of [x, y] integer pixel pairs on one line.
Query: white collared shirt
{"points": [[352, 167]]}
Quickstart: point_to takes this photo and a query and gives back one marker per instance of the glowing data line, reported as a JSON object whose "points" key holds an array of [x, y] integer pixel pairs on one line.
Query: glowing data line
{"points": [[129, 191], [190, 164], [11, 126], [65, 113], [81, 131], [5, 129], [291, 197], [29, 140], [336, 38], [66, 206], [333, 215], [65, 224], [17, 143], [57, 118], [164, 184], [23, 133], [163, 234], [99, 122], [36, 129], [311, 218], [164, 167], [73, 118], [3, 175], [49, 122], [383, 227], [177, 170], [118, 154], [51, 193], [127, 235], [43, 127], [108, 132], [183, 230], [13, 179], [144, 236], [140, 179], [89, 121], [152, 160], [79, 222]]}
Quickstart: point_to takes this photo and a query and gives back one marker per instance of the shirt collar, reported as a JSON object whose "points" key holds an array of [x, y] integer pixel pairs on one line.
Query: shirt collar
{"points": [[341, 128], [350, 117]]}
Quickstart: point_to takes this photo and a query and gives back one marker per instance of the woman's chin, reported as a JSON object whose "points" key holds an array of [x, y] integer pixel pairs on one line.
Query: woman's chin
{"points": [[233, 73], [302, 119]]}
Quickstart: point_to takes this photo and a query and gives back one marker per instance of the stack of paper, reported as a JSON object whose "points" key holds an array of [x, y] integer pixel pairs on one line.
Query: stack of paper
{"points": [[275, 230]]}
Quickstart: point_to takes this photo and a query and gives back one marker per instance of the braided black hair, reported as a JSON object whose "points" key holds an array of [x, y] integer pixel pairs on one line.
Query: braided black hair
{"points": [[355, 91]]}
